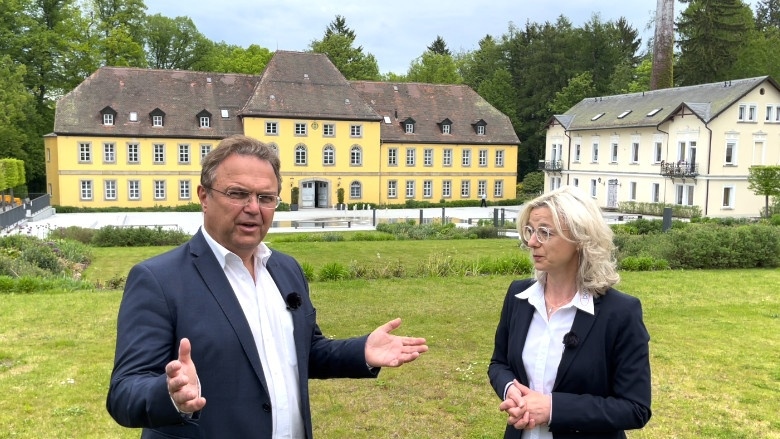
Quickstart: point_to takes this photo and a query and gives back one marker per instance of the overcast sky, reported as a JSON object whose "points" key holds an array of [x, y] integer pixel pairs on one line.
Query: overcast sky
{"points": [[394, 32]]}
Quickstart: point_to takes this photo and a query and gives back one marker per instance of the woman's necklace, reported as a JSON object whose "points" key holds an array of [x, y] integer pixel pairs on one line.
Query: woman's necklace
{"points": [[552, 308]]}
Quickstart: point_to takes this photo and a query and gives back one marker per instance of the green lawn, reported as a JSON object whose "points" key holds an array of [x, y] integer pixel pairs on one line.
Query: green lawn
{"points": [[715, 350]]}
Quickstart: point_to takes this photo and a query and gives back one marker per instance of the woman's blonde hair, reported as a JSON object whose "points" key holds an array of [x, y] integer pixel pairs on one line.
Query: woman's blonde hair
{"points": [[573, 210]]}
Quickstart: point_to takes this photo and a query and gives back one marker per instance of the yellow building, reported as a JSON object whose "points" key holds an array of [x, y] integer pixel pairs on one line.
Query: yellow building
{"points": [[689, 146], [129, 137]]}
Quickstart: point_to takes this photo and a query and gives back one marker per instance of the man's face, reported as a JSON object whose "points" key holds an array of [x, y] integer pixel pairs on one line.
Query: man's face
{"points": [[239, 229]]}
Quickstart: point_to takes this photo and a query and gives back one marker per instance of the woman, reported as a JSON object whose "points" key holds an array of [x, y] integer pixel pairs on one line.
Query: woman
{"points": [[571, 356]]}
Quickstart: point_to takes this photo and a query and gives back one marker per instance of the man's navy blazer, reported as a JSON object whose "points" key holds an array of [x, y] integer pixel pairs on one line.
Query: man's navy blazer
{"points": [[603, 384], [185, 293]]}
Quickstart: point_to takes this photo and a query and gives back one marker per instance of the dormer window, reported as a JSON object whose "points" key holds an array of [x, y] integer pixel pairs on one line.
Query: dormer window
{"points": [[480, 127], [204, 119], [158, 117], [445, 126], [109, 116], [408, 125]]}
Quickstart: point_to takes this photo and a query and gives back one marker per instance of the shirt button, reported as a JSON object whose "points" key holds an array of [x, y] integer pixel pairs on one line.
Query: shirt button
{"points": [[266, 407]]}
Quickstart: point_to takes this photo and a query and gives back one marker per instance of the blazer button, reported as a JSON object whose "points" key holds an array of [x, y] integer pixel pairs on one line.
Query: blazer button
{"points": [[266, 407]]}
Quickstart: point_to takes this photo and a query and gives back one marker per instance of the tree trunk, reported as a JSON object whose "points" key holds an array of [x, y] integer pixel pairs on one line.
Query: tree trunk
{"points": [[663, 46]]}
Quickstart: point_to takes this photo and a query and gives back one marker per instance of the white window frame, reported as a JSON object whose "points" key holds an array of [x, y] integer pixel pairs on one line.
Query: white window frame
{"points": [[157, 121], [85, 190], [355, 190], [658, 148], [593, 187], [205, 122], [632, 191], [427, 188], [428, 157], [184, 154], [635, 152], [109, 190], [356, 156], [133, 189], [300, 129], [577, 152], [728, 200], [356, 130], [205, 148], [446, 157], [158, 153], [613, 157], [410, 189], [133, 153], [465, 188], [329, 155], [392, 157], [108, 119], [159, 190], [482, 158], [498, 189], [185, 190], [328, 130], [594, 157], [392, 189], [733, 145], [499, 158], [271, 128], [446, 189], [109, 152], [85, 152], [465, 158], [655, 192], [301, 155], [410, 156]]}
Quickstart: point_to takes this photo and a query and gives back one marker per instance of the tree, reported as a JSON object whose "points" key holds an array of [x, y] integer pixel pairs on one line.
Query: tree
{"points": [[173, 43], [768, 15], [580, 87], [765, 180], [662, 75], [433, 68], [533, 183], [338, 44], [711, 38], [120, 24], [439, 47]]}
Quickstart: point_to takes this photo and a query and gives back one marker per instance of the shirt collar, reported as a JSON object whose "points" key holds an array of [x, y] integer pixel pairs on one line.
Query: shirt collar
{"points": [[262, 252], [535, 296]]}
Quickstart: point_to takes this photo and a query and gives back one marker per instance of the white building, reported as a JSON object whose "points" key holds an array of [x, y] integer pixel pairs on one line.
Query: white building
{"points": [[687, 146]]}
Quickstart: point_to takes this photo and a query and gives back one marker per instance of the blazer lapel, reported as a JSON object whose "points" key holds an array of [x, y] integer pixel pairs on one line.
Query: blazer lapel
{"points": [[583, 322], [219, 286]]}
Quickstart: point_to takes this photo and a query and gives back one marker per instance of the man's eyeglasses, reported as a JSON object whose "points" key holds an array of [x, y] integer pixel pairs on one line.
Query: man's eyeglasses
{"points": [[542, 234], [243, 198]]}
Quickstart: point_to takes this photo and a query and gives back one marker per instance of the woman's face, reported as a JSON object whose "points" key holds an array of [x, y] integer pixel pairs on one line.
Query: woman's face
{"points": [[556, 256]]}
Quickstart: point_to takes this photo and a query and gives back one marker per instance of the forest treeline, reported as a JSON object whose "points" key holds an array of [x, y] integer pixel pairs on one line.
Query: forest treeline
{"points": [[529, 72]]}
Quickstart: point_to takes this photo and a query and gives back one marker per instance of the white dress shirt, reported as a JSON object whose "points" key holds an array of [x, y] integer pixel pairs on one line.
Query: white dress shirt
{"points": [[544, 344], [272, 329]]}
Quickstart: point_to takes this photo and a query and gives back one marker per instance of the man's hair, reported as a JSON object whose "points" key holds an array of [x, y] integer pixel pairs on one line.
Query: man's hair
{"points": [[239, 145]]}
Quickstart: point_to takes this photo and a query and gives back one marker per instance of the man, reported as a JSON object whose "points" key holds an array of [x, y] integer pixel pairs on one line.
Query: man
{"points": [[482, 200], [240, 313]]}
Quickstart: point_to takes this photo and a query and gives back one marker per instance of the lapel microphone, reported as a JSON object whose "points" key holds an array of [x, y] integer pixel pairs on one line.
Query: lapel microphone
{"points": [[293, 301], [570, 340]]}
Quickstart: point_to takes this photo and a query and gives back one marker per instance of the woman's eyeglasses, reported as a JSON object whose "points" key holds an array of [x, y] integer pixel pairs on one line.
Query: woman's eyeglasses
{"points": [[542, 234], [243, 198]]}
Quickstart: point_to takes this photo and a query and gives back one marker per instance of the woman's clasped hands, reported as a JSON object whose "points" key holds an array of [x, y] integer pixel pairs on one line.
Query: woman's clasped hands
{"points": [[526, 408]]}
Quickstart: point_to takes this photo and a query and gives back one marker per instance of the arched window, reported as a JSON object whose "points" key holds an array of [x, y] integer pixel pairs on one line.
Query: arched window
{"points": [[355, 190], [329, 155], [356, 155], [300, 154]]}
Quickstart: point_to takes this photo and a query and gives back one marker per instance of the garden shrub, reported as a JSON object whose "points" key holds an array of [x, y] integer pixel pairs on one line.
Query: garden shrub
{"points": [[43, 256], [111, 236], [84, 235], [333, 271], [308, 271]]}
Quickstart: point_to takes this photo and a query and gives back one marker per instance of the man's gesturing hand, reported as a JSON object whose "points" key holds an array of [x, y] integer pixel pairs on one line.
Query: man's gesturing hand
{"points": [[183, 384]]}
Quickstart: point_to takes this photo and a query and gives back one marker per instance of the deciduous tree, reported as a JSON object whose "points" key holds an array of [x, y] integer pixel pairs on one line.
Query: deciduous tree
{"points": [[765, 180]]}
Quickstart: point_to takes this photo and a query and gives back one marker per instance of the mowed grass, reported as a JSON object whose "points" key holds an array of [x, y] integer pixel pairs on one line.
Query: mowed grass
{"points": [[715, 350]]}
